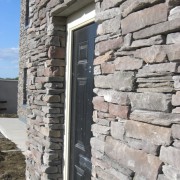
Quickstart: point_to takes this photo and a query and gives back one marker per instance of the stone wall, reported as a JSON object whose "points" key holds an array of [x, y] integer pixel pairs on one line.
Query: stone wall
{"points": [[136, 117], [136, 121], [23, 53], [42, 51]]}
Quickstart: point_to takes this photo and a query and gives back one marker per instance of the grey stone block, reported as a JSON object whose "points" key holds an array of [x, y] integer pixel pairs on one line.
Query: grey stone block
{"points": [[123, 81], [147, 132], [169, 155], [150, 101], [156, 118], [138, 161]]}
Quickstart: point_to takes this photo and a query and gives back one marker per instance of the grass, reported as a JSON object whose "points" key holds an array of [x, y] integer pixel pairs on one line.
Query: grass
{"points": [[12, 163]]}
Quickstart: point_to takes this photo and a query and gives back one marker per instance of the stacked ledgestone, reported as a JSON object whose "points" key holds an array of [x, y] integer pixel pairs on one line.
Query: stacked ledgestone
{"points": [[45, 59], [22, 63], [137, 85], [137, 74]]}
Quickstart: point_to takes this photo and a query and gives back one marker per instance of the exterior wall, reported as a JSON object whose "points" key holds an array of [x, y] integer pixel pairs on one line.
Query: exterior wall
{"points": [[23, 53], [136, 107], [8, 92], [136, 116], [43, 52]]}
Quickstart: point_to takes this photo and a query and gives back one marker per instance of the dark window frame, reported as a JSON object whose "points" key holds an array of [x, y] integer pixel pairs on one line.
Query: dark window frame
{"points": [[27, 13], [25, 86]]}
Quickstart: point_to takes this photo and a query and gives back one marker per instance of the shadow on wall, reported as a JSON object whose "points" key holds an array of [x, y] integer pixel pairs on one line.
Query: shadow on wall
{"points": [[8, 96]]}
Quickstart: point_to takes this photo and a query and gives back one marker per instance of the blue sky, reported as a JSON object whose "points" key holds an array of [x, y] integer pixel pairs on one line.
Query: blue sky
{"points": [[9, 38]]}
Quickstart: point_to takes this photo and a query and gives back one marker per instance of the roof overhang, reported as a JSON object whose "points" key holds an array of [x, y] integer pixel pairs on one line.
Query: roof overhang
{"points": [[69, 7]]}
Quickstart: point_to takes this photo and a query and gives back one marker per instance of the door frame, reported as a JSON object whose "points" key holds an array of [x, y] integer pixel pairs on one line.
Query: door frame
{"points": [[75, 21]]}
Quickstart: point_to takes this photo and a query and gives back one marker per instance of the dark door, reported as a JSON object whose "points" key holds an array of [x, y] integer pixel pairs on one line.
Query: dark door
{"points": [[81, 107]]}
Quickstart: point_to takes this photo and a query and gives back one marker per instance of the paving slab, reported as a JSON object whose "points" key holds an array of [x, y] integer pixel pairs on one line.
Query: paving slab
{"points": [[14, 130]]}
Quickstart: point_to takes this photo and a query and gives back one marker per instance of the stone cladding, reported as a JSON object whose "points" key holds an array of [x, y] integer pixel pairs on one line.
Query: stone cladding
{"points": [[136, 129], [42, 52], [23, 52]]}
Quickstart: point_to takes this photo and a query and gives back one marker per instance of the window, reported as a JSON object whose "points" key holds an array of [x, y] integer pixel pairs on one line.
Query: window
{"points": [[25, 87], [27, 13]]}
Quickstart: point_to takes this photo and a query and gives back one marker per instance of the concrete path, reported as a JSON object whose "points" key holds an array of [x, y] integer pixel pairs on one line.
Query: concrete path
{"points": [[15, 130]]}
